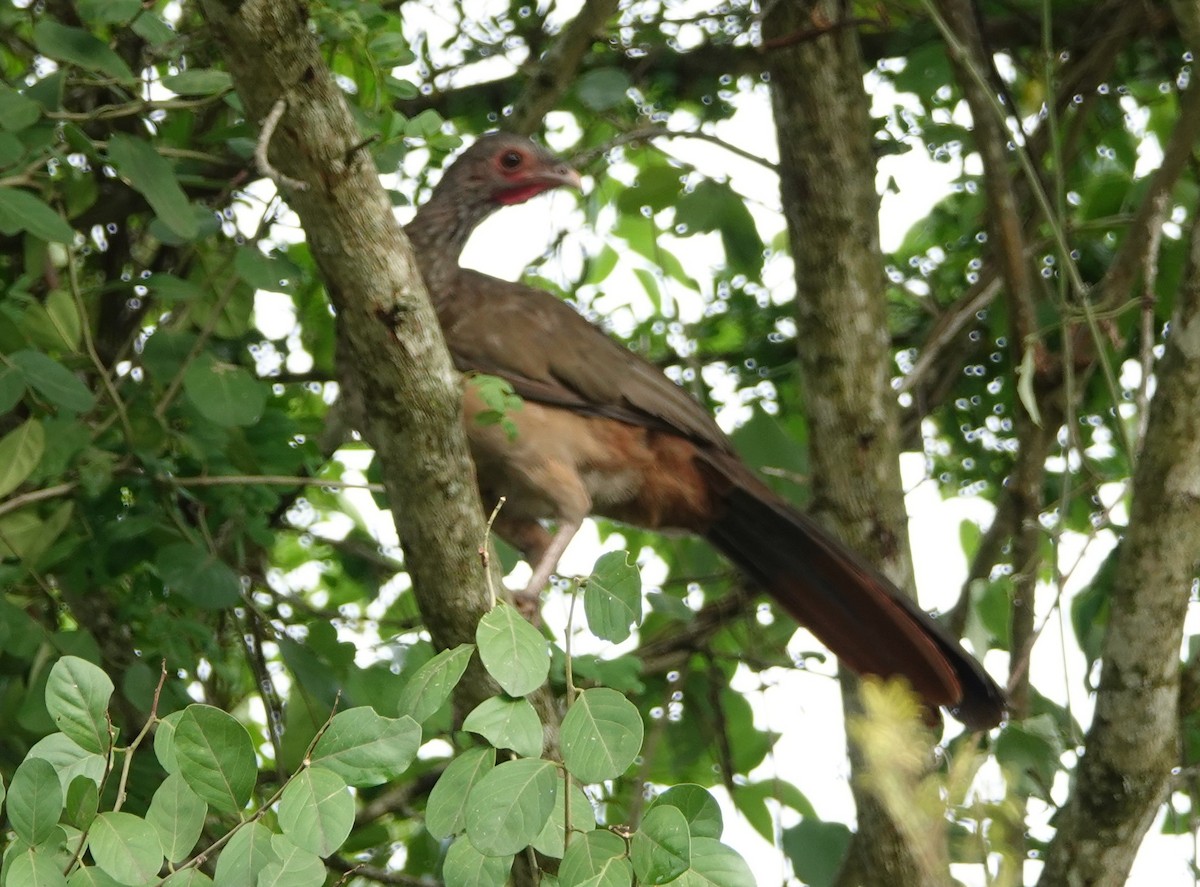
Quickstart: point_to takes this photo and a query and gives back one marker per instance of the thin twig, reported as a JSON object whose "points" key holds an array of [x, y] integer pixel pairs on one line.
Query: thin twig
{"points": [[263, 145]]}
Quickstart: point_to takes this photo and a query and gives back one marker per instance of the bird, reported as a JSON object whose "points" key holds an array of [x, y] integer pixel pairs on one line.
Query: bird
{"points": [[602, 431]]}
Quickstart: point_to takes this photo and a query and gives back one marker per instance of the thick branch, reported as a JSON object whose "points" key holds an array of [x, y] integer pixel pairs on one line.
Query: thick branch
{"points": [[829, 200], [1134, 739], [388, 328], [555, 71]]}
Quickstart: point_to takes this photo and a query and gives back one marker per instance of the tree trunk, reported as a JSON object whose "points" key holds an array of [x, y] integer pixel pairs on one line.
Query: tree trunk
{"points": [[386, 324], [827, 171]]}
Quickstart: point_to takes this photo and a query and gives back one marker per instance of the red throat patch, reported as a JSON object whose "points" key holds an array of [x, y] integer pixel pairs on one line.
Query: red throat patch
{"points": [[521, 193]]}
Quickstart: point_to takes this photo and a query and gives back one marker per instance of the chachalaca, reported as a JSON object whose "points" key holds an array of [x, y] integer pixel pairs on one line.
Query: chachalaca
{"points": [[602, 431]]}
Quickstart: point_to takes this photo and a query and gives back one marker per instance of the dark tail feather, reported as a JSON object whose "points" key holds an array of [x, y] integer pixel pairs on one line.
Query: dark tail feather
{"points": [[861, 616]]}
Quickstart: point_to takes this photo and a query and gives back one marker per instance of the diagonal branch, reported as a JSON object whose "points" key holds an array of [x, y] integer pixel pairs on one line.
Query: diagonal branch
{"points": [[555, 71]]}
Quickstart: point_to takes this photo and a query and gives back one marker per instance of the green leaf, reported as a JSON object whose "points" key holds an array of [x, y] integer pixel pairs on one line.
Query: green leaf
{"points": [[507, 723], [64, 318], [429, 688], [297, 867], [601, 735], [78, 47], [77, 695], [602, 88], [509, 806], [172, 289], [20, 533], [34, 867], [12, 387], [583, 819], [199, 576], [243, 859], [446, 811], [150, 174], [16, 111], [512, 650], [108, 11], [68, 759], [53, 381], [198, 81], [223, 393], [83, 802], [125, 847], [596, 859], [817, 850], [20, 451], [35, 801], [216, 757], [164, 742], [467, 867], [22, 211], [365, 748], [177, 816], [92, 876], [700, 808], [662, 846], [317, 810], [187, 877], [715, 865], [612, 598]]}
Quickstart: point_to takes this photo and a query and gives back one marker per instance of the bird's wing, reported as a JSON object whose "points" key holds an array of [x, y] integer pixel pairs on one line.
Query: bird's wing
{"points": [[551, 354]]}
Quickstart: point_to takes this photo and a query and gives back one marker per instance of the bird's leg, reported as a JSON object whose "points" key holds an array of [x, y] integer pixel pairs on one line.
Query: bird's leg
{"points": [[541, 549]]}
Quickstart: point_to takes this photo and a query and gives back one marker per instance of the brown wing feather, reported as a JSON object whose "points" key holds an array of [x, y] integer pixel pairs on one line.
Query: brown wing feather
{"points": [[553, 355]]}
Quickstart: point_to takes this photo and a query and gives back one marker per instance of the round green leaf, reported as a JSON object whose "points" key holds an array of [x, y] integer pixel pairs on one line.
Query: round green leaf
{"points": [[512, 650], [596, 859], [714, 863], [601, 735], [365, 748], [35, 801], [316, 810], [223, 393], [662, 846], [507, 723], [177, 816], [296, 867], [446, 811], [164, 742], [243, 859], [612, 598], [92, 876], [602, 88], [125, 847], [467, 867], [77, 695], [429, 688], [698, 806], [20, 451], [68, 759], [215, 757], [53, 381], [583, 819], [198, 575], [34, 867], [188, 878], [509, 806], [83, 802]]}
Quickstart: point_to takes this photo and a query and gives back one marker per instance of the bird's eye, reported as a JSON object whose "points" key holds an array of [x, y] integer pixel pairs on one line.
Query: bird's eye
{"points": [[511, 159]]}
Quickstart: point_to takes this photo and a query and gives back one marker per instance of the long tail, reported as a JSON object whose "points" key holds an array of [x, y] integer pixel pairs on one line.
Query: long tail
{"points": [[862, 617]]}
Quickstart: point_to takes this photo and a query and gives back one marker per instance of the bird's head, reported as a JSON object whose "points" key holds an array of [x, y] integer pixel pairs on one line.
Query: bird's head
{"points": [[501, 169]]}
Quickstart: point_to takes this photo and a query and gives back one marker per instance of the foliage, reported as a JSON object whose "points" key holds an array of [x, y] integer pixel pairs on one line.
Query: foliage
{"points": [[169, 494]]}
